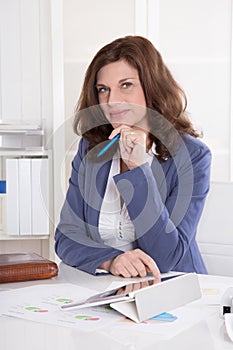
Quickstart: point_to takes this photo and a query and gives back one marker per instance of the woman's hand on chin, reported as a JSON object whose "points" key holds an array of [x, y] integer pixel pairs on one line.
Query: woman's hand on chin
{"points": [[133, 142]]}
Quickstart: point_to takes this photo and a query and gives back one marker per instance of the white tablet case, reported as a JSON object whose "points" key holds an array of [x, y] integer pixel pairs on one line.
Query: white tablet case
{"points": [[161, 297]]}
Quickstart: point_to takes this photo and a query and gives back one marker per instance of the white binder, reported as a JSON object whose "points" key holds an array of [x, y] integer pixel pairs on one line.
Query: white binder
{"points": [[25, 205], [12, 212], [40, 196]]}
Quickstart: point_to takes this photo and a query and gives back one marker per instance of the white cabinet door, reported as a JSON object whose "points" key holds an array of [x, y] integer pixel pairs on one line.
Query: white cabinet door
{"points": [[195, 40], [25, 61]]}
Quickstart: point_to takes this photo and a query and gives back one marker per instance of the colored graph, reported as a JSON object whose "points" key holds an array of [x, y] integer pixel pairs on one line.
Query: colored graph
{"points": [[64, 300], [35, 309], [87, 318]]}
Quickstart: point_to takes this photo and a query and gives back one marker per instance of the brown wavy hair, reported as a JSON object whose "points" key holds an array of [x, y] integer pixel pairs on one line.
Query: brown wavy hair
{"points": [[165, 100]]}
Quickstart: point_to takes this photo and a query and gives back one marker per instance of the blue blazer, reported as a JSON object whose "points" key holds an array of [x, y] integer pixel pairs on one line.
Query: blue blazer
{"points": [[164, 201]]}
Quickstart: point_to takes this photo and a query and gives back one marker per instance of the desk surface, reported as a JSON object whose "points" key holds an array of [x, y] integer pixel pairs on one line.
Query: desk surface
{"points": [[207, 333]]}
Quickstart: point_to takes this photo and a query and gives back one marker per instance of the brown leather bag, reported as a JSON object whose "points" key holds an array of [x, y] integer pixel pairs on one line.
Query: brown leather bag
{"points": [[25, 267]]}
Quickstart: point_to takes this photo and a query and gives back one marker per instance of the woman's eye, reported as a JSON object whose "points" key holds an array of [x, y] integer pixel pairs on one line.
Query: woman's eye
{"points": [[102, 90], [126, 85]]}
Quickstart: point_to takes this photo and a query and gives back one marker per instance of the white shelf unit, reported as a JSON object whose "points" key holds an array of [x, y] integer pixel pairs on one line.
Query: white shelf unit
{"points": [[41, 244], [20, 136], [31, 101]]}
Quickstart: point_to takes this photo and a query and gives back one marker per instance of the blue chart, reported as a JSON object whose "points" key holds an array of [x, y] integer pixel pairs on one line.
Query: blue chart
{"points": [[163, 317]]}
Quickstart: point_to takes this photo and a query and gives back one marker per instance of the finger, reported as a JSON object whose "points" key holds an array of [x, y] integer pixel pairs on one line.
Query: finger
{"points": [[144, 284], [133, 262], [140, 268], [121, 291], [149, 264], [118, 130], [132, 270], [137, 286], [121, 266], [125, 140], [129, 288], [135, 142], [128, 139], [121, 271], [125, 152], [153, 268]]}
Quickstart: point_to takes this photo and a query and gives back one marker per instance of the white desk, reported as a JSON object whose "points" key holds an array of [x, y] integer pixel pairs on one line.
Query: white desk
{"points": [[209, 333]]}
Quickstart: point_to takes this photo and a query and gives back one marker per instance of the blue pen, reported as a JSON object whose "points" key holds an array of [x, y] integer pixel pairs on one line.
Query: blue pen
{"points": [[109, 144]]}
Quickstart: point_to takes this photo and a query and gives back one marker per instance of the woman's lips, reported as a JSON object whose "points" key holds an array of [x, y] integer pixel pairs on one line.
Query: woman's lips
{"points": [[118, 114]]}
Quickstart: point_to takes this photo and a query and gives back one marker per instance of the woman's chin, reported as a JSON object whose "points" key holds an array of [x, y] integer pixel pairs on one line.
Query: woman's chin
{"points": [[117, 125]]}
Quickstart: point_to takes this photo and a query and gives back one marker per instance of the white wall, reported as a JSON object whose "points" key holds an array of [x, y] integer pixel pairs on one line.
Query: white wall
{"points": [[88, 25], [195, 39]]}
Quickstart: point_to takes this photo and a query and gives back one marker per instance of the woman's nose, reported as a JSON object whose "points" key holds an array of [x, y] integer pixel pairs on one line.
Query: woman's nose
{"points": [[114, 96]]}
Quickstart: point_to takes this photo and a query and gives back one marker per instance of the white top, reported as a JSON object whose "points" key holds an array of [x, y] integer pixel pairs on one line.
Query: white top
{"points": [[115, 226]]}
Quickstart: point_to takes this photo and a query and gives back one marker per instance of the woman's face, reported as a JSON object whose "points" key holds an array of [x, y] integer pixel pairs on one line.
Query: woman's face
{"points": [[121, 95]]}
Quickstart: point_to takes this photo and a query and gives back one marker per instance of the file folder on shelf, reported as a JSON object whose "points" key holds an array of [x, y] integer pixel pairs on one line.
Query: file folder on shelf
{"points": [[12, 211], [40, 196], [25, 196]]}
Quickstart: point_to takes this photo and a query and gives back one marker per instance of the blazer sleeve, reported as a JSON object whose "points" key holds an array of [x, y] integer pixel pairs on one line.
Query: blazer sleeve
{"points": [[166, 227], [73, 243]]}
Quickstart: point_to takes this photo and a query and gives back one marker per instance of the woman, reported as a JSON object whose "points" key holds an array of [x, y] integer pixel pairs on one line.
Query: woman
{"points": [[135, 208]]}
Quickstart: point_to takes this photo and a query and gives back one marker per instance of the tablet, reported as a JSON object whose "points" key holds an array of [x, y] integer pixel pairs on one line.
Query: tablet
{"points": [[123, 293]]}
